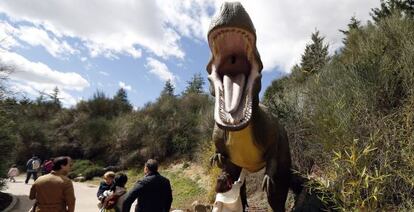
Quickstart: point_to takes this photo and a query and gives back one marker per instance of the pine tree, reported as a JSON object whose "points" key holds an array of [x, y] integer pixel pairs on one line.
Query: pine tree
{"points": [[121, 101], [353, 25], [195, 86], [168, 89], [315, 56], [55, 98], [389, 7]]}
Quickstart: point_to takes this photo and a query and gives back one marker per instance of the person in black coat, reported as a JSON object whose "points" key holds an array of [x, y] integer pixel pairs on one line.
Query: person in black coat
{"points": [[153, 191]]}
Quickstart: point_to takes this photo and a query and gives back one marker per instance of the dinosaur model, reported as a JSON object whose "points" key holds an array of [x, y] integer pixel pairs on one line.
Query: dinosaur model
{"points": [[245, 134]]}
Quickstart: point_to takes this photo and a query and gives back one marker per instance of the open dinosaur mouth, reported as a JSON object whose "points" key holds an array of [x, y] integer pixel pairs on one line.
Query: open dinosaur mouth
{"points": [[234, 71]]}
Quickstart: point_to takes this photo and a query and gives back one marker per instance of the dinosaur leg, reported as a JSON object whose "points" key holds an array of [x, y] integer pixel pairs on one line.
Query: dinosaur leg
{"points": [[277, 177], [276, 185]]}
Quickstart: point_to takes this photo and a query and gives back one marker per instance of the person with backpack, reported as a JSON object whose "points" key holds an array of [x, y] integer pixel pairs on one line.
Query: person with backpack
{"points": [[32, 167], [114, 197], [47, 166]]}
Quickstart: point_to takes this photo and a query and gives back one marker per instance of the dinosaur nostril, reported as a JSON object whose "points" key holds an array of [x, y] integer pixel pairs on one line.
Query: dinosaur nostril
{"points": [[233, 59]]}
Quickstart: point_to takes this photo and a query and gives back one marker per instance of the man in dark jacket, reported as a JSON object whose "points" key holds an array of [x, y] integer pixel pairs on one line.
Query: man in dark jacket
{"points": [[32, 167], [153, 191]]}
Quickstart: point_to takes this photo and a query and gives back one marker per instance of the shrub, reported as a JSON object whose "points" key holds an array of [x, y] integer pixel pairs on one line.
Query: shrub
{"points": [[86, 169], [354, 119]]}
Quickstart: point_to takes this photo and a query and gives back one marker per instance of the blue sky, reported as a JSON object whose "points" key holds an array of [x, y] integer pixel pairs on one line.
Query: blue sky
{"points": [[84, 46]]}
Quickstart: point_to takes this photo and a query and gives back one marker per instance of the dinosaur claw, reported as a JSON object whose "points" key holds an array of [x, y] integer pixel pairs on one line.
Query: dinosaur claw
{"points": [[266, 184], [213, 160], [217, 159]]}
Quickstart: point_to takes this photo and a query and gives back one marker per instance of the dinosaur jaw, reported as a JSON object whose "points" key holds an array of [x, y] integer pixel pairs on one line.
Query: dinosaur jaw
{"points": [[234, 71]]}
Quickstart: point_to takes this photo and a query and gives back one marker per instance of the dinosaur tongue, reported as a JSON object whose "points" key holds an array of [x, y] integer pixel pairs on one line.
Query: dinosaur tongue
{"points": [[233, 90]]}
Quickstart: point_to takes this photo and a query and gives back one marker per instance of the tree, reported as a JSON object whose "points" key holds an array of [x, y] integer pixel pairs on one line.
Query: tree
{"points": [[121, 101], [7, 126], [195, 86], [353, 25], [168, 89], [315, 56], [389, 7], [99, 105], [55, 98]]}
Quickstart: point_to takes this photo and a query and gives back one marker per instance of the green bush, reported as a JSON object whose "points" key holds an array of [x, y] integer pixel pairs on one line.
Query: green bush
{"points": [[86, 169], [351, 125]]}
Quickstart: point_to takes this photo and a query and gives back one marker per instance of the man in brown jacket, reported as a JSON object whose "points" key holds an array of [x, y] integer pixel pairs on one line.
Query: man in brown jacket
{"points": [[54, 192]]}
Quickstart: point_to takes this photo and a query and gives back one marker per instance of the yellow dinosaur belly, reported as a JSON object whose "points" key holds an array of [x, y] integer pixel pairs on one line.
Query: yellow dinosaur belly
{"points": [[243, 151]]}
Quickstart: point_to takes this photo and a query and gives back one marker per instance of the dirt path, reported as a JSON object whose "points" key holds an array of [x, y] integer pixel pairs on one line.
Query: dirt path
{"points": [[85, 195]]}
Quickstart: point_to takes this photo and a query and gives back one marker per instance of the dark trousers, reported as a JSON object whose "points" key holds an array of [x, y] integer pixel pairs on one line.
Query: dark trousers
{"points": [[29, 174]]}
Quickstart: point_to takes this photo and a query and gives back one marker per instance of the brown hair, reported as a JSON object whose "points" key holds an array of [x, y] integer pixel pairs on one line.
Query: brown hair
{"points": [[109, 174], [59, 162], [224, 182]]}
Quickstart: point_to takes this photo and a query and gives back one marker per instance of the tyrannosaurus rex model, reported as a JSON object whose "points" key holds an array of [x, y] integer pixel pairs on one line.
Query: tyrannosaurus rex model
{"points": [[245, 134]]}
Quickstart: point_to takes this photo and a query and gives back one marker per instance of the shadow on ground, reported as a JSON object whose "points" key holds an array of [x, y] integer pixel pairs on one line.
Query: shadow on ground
{"points": [[23, 203]]}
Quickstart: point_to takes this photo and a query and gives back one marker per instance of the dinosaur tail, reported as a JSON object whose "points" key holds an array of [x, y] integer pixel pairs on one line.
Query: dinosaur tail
{"points": [[305, 200], [297, 183]]}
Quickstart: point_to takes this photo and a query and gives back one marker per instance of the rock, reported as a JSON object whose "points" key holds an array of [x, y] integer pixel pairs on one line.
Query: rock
{"points": [[198, 207], [80, 179]]}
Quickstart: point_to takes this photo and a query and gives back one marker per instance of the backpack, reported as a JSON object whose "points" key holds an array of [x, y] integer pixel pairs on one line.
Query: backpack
{"points": [[110, 201], [35, 164], [48, 166]]}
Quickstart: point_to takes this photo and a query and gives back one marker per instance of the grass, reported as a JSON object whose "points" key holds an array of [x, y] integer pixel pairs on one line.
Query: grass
{"points": [[185, 190]]}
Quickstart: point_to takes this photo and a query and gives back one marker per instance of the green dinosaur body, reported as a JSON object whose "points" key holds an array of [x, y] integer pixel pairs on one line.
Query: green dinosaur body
{"points": [[246, 135]]}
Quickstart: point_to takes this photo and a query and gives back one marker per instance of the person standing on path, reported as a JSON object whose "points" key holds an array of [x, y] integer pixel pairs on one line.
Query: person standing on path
{"points": [[54, 192], [32, 167], [153, 191], [47, 166], [13, 172]]}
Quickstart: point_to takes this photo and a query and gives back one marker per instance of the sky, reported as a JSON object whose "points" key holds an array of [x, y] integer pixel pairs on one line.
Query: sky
{"points": [[84, 46]]}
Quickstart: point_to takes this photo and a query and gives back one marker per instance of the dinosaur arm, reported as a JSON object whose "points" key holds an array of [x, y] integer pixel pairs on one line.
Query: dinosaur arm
{"points": [[221, 153]]}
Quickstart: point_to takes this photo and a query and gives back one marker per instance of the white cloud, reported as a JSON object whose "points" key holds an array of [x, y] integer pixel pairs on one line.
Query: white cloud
{"points": [[32, 77], [7, 33], [124, 86], [38, 37], [106, 27], [160, 69], [189, 17], [128, 27]]}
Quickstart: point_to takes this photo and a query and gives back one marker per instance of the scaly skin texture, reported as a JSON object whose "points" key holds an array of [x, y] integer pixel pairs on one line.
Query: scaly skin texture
{"points": [[268, 135]]}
